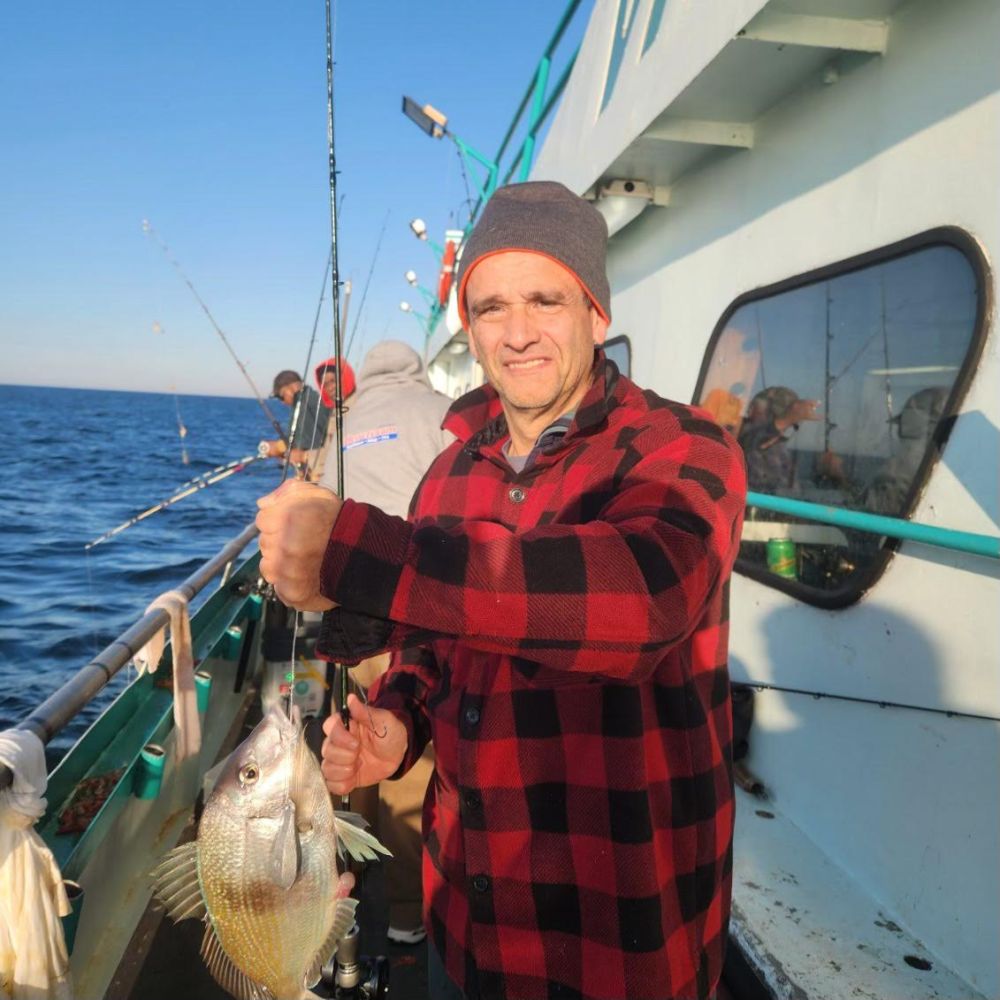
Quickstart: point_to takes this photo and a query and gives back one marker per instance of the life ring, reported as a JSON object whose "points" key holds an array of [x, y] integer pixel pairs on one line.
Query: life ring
{"points": [[447, 272]]}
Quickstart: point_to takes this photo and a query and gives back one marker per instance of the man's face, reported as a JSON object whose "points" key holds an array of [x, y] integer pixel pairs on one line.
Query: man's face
{"points": [[330, 382], [288, 392], [533, 331]]}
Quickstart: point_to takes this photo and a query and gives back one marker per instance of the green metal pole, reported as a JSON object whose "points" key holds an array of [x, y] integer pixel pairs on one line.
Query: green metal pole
{"points": [[876, 524], [528, 149]]}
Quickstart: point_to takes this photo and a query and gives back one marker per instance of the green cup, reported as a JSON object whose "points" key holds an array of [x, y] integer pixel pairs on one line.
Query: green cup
{"points": [[781, 558], [203, 688], [149, 771]]}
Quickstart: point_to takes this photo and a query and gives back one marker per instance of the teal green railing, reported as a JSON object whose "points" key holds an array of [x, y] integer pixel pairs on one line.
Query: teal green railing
{"points": [[877, 524], [538, 101]]}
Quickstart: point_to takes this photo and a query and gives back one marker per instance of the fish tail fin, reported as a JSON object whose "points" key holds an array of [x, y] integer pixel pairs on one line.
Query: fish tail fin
{"points": [[355, 840]]}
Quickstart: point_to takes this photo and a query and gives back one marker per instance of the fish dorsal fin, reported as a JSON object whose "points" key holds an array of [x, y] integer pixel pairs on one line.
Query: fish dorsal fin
{"points": [[225, 973], [176, 885], [285, 855], [354, 839], [343, 919]]}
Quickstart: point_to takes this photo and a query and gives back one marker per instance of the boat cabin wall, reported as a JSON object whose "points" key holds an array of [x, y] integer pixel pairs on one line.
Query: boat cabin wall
{"points": [[892, 146]]}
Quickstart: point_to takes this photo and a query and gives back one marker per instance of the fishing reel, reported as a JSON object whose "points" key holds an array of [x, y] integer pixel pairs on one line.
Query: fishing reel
{"points": [[350, 976]]}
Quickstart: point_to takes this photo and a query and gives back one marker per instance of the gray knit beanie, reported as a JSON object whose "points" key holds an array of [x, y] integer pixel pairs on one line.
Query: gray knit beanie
{"points": [[542, 217]]}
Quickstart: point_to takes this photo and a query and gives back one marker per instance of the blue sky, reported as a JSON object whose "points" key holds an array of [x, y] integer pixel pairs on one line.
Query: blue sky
{"points": [[209, 119]]}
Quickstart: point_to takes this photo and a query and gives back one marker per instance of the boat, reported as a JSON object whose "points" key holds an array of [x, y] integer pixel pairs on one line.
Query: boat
{"points": [[802, 195], [803, 205]]}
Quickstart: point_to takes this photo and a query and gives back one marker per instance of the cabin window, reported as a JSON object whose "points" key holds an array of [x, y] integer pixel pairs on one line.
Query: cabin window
{"points": [[624, 21], [619, 350], [655, 17], [840, 386]]}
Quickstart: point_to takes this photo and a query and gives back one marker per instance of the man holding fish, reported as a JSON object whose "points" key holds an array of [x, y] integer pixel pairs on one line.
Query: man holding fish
{"points": [[557, 605]]}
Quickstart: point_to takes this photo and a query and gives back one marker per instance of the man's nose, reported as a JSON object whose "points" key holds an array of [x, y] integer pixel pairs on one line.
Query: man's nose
{"points": [[521, 331]]}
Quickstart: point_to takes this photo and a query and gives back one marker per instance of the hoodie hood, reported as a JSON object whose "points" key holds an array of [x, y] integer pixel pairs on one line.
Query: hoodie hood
{"points": [[391, 361], [347, 379]]}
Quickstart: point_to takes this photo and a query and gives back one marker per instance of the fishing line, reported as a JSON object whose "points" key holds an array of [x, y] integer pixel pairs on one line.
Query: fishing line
{"points": [[368, 281], [147, 228], [181, 431]]}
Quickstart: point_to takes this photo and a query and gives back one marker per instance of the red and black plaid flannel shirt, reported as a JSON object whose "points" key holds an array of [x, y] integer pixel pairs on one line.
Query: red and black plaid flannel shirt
{"points": [[573, 624]]}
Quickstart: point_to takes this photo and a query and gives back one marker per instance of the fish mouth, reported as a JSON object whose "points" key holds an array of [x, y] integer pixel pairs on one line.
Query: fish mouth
{"points": [[288, 726]]}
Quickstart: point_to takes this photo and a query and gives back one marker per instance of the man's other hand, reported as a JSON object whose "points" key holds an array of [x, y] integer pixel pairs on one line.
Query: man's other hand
{"points": [[295, 522], [369, 752]]}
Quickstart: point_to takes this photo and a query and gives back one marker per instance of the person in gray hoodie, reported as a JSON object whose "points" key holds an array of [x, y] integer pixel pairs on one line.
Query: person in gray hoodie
{"points": [[392, 433], [392, 429]]}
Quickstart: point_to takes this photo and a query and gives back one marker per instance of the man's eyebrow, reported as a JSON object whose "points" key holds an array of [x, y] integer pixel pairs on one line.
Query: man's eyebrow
{"points": [[549, 295], [490, 300]]}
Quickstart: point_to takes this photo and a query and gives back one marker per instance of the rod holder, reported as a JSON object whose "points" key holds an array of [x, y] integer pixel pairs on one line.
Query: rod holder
{"points": [[149, 771], [203, 688], [74, 892]]}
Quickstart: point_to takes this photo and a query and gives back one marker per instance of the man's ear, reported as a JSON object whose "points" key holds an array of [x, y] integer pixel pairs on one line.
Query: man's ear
{"points": [[598, 326]]}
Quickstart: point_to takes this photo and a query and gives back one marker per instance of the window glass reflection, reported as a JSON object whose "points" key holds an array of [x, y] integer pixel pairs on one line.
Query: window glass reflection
{"points": [[834, 389]]}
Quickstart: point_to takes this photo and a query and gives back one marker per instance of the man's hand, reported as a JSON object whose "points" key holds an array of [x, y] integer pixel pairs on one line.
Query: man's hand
{"points": [[295, 523], [370, 751], [272, 449]]}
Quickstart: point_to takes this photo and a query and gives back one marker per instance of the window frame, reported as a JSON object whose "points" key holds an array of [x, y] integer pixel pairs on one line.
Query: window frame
{"points": [[620, 338], [970, 248]]}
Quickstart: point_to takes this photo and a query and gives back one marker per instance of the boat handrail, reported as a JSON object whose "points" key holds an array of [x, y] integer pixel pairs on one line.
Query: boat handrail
{"points": [[61, 706], [878, 524], [541, 107]]}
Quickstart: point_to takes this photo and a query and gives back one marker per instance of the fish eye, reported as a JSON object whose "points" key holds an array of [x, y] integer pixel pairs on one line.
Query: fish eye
{"points": [[249, 773]]}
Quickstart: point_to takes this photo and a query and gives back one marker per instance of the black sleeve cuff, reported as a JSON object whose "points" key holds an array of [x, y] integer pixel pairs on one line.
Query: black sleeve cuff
{"points": [[352, 636]]}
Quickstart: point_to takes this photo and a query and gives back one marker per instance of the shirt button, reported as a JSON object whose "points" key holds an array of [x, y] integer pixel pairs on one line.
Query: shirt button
{"points": [[481, 883], [472, 800], [517, 494], [472, 716]]}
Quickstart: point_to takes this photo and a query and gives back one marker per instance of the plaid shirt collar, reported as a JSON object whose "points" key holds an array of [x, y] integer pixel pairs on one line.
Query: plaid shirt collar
{"points": [[477, 418]]}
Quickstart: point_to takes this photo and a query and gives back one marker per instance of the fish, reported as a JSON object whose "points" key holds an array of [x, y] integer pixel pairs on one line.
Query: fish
{"points": [[262, 872]]}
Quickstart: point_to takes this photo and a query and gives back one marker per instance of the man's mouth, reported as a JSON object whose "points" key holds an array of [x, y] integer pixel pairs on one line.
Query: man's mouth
{"points": [[526, 365]]}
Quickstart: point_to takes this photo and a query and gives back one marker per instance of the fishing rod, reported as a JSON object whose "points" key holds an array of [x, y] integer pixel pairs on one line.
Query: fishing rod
{"points": [[185, 490], [297, 411], [147, 228], [338, 406]]}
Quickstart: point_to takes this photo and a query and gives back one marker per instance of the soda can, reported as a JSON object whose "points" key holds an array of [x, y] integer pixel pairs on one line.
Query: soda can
{"points": [[781, 557]]}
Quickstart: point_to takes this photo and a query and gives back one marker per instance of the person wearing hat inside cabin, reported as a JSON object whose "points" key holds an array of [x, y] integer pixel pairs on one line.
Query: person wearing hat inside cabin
{"points": [[308, 422], [557, 604], [325, 374], [773, 412]]}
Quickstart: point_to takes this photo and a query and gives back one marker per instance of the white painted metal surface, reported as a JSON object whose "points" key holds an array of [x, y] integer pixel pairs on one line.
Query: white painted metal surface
{"points": [[840, 152]]}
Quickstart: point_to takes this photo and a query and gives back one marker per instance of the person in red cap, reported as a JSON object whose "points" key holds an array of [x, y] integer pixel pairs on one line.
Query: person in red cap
{"points": [[557, 604], [325, 374]]}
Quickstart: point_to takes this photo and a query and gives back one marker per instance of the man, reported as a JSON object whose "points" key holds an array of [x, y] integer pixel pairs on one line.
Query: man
{"points": [[563, 632], [772, 412], [392, 431], [325, 374], [392, 434], [308, 424]]}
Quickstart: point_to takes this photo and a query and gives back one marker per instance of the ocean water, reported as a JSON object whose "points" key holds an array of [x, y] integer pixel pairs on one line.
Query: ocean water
{"points": [[79, 462]]}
